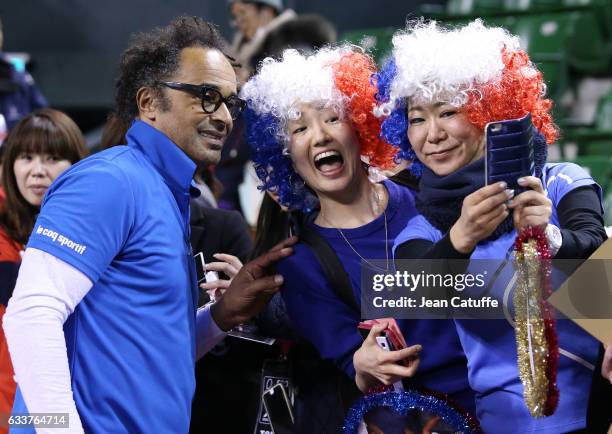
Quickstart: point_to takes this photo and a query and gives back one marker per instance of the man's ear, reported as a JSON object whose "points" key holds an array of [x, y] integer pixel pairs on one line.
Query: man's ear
{"points": [[147, 103]]}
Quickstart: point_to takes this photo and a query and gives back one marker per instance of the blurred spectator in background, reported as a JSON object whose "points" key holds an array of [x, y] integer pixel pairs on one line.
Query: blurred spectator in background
{"points": [[304, 33], [208, 184], [39, 148], [254, 20], [264, 29], [18, 92], [113, 132]]}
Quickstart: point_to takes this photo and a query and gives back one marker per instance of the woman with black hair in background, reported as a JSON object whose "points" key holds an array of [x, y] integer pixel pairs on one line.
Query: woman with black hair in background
{"points": [[39, 148]]}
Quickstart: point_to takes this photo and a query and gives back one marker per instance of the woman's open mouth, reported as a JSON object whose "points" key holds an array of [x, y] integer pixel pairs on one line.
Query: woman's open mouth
{"points": [[329, 162]]}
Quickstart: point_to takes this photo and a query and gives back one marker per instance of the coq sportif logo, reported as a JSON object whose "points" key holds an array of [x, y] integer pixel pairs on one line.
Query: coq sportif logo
{"points": [[62, 240]]}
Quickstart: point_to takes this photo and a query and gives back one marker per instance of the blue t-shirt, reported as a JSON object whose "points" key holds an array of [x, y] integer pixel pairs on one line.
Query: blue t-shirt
{"points": [[121, 217], [490, 345], [320, 316]]}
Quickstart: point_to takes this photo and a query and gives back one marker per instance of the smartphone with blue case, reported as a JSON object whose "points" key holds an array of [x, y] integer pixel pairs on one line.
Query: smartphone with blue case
{"points": [[509, 151]]}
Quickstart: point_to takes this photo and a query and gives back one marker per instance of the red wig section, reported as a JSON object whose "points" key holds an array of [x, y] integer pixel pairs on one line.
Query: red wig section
{"points": [[519, 92], [352, 74]]}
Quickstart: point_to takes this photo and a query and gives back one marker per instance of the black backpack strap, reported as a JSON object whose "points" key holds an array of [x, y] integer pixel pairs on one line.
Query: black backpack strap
{"points": [[332, 267], [406, 178]]}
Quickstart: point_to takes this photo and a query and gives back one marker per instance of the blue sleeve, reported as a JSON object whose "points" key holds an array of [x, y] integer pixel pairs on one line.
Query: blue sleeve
{"points": [[86, 217], [562, 178], [317, 314], [417, 228]]}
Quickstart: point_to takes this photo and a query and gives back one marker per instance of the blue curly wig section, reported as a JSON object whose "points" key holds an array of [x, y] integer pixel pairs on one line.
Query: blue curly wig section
{"points": [[273, 167], [383, 80], [394, 128]]}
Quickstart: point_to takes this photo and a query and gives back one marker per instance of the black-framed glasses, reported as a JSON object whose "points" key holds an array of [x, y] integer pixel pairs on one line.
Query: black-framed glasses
{"points": [[211, 98]]}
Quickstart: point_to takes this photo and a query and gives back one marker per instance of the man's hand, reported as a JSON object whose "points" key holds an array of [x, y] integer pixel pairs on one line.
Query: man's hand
{"points": [[251, 289]]}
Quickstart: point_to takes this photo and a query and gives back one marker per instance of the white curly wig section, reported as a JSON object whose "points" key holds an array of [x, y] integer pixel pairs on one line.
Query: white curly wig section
{"points": [[436, 64], [280, 85]]}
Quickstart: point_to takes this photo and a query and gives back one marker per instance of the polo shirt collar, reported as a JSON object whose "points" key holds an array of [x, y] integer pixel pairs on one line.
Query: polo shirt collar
{"points": [[169, 160]]}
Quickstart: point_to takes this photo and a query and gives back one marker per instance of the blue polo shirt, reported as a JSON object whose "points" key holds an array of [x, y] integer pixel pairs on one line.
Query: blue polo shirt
{"points": [[121, 217]]}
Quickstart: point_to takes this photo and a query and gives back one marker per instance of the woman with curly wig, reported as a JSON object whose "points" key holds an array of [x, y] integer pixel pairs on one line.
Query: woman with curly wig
{"points": [[437, 93], [311, 125]]}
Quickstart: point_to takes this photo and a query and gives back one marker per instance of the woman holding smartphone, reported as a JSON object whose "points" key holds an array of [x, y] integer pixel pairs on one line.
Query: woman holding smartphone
{"points": [[315, 138], [436, 109]]}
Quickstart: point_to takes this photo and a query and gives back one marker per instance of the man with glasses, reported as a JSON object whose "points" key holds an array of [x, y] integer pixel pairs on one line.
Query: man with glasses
{"points": [[102, 325]]}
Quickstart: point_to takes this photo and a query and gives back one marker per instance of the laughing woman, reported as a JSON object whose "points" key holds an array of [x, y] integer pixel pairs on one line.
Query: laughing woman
{"points": [[311, 125], [439, 91]]}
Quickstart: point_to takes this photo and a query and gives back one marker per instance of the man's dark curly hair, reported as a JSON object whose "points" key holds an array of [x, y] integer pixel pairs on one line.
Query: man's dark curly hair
{"points": [[154, 56]]}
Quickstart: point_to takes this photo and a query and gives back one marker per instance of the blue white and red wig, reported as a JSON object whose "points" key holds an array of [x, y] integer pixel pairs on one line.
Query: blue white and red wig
{"points": [[335, 77], [480, 69]]}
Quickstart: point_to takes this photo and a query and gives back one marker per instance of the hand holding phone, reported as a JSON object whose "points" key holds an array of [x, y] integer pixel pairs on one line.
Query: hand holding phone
{"points": [[390, 339], [378, 361], [226, 264], [203, 275]]}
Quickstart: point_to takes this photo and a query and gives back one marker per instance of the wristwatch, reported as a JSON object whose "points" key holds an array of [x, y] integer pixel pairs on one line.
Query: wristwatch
{"points": [[553, 234]]}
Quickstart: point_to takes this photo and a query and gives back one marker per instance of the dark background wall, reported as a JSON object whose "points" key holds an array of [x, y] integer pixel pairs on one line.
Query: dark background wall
{"points": [[75, 44]]}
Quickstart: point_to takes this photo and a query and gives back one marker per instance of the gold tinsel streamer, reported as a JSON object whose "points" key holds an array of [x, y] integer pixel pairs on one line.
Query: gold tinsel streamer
{"points": [[532, 346]]}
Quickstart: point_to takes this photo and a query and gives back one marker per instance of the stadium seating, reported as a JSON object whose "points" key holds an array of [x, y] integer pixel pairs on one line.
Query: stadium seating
{"points": [[596, 139]]}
